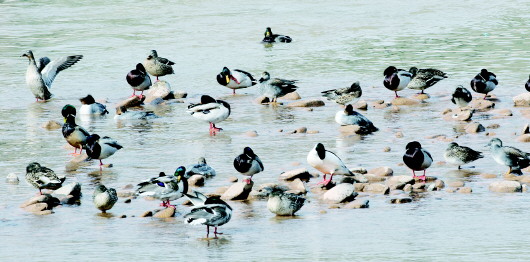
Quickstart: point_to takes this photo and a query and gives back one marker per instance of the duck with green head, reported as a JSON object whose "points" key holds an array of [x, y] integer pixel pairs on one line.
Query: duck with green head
{"points": [[75, 135], [164, 187]]}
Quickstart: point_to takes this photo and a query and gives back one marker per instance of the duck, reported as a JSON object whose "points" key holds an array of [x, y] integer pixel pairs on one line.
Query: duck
{"points": [[515, 159], [350, 117], [138, 79], [42, 177], [123, 114], [284, 204], [248, 164], [328, 163], [164, 187], [460, 155], [210, 110], [343, 96], [158, 66], [527, 85], [201, 168], [461, 96], [75, 135], [89, 106], [235, 79], [396, 79], [210, 211], [272, 38], [275, 87], [104, 198], [101, 148], [416, 158], [425, 78], [484, 82], [39, 77]]}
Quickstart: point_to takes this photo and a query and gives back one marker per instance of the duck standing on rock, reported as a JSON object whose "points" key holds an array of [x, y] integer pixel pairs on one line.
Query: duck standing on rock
{"points": [[201, 168], [75, 135], [460, 155], [425, 78], [275, 87], [416, 158], [248, 164], [484, 82], [104, 198], [210, 110], [158, 66], [89, 106], [39, 78], [101, 148], [272, 38], [210, 211], [42, 177], [509, 156], [235, 79], [165, 188], [138, 79], [396, 79], [350, 117], [328, 163], [343, 96], [461, 97], [284, 204]]}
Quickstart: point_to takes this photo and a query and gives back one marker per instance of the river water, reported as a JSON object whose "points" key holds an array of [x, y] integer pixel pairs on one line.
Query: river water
{"points": [[335, 43]]}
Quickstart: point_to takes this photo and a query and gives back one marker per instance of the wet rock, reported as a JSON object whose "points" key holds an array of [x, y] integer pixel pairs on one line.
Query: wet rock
{"points": [[522, 99], [451, 190], [359, 187], [291, 96], [399, 134], [359, 170], [505, 186], [238, 191], [407, 188], [232, 179], [12, 178], [125, 193], [179, 94], [493, 126], [525, 134], [301, 130], [488, 176], [374, 178], [131, 102], [481, 104], [399, 182], [387, 149], [422, 96], [251, 133], [196, 180], [382, 171], [300, 173], [382, 105], [350, 129], [47, 199], [502, 112], [340, 193], [377, 189], [524, 179], [52, 125], [403, 101], [298, 185], [159, 89], [458, 115], [221, 190], [456, 184], [361, 105], [262, 100], [73, 189], [127, 201], [465, 190], [418, 187], [313, 131], [358, 203], [439, 184], [36, 207], [307, 103], [401, 200], [68, 200], [165, 213], [43, 212], [474, 128], [147, 214]]}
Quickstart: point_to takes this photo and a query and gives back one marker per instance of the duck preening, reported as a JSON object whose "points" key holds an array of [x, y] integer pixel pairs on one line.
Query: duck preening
{"points": [[75, 135], [484, 82], [158, 66], [248, 163], [235, 79], [461, 96], [284, 204], [275, 87], [210, 211], [328, 163], [210, 110], [417, 159], [343, 96], [424, 78], [104, 198], [42, 177], [138, 79], [396, 79], [89, 106], [101, 147], [164, 187]]}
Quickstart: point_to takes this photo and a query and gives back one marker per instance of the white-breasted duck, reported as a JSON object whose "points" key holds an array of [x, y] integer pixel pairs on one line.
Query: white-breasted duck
{"points": [[417, 159], [89, 106], [42, 177], [396, 79], [511, 157], [328, 163], [210, 211], [101, 147], [138, 79], [235, 79], [75, 135], [343, 96], [248, 163], [158, 66], [484, 82], [164, 187], [348, 116], [460, 155], [424, 78], [210, 110], [461, 96], [104, 198], [273, 88], [272, 38]]}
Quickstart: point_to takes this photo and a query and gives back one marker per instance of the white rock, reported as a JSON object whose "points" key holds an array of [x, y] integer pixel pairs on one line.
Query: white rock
{"points": [[340, 193]]}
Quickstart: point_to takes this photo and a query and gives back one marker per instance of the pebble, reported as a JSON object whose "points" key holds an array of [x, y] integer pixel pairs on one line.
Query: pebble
{"points": [[522, 99], [382, 171], [238, 191], [313, 131], [123, 216], [298, 185], [12, 178], [359, 186], [251, 133], [400, 200], [127, 201], [493, 126], [359, 170], [52, 125], [221, 190], [399, 134], [307, 103], [128, 186], [125, 193], [377, 189], [165, 213], [352, 129], [380, 104], [505, 186], [36, 207], [458, 115], [300, 173], [262, 100], [159, 89], [358, 203], [481, 104], [340, 193], [439, 184], [474, 128], [525, 138], [361, 105], [488, 176], [502, 112], [196, 180], [131, 102], [301, 130], [422, 96], [180, 94], [387, 149], [399, 182], [465, 190], [407, 188], [456, 184], [372, 178], [403, 101], [291, 96]]}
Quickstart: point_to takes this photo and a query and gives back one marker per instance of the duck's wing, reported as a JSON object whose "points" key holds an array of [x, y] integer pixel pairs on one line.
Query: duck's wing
{"points": [[43, 61], [247, 74], [202, 108], [197, 198], [282, 82], [165, 61], [206, 213], [110, 142], [54, 67], [512, 151]]}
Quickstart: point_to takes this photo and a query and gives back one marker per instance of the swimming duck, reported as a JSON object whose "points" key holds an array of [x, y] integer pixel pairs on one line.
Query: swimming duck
{"points": [[327, 162], [158, 66], [527, 85], [284, 204], [39, 77], [103, 198], [235, 79], [271, 38], [461, 96], [425, 78], [123, 114], [248, 163], [484, 82], [201, 168], [42, 177], [164, 187], [101, 148], [460, 155], [209, 211], [138, 79], [275, 87], [350, 117], [417, 159], [343, 96], [210, 110], [396, 79], [89, 106], [75, 135], [509, 156]]}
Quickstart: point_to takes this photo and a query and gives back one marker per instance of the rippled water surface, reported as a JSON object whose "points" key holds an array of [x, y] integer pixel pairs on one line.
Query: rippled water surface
{"points": [[335, 43]]}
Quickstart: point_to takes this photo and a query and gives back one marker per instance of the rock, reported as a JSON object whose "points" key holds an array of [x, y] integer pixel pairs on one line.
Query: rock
{"points": [[382, 171], [465, 190], [147, 214], [505, 186], [238, 191], [422, 96], [131, 102], [474, 128], [125, 193], [179, 94], [300, 173], [418, 187], [232, 179], [251, 133], [451, 189], [481, 104], [399, 182], [458, 115], [359, 170], [359, 187], [52, 125], [407, 188], [372, 178], [307, 103], [486, 175], [377, 189], [361, 105], [298, 185], [291, 96], [73, 189], [382, 105], [47, 199], [221, 190], [400, 200], [352, 129], [313, 132], [43, 212], [159, 89], [358, 203], [12, 178], [127, 201], [493, 126], [502, 112], [340, 193], [395, 109], [128, 186], [439, 184], [36, 207], [196, 180], [456, 184], [522, 99], [403, 101], [301, 130], [387, 149], [123, 216], [525, 138], [165, 213], [399, 134], [262, 100]]}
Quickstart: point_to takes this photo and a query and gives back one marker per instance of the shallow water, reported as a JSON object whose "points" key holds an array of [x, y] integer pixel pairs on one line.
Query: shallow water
{"points": [[334, 45]]}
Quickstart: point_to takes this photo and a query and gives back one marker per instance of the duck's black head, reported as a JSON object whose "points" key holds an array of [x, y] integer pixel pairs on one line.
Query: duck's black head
{"points": [[484, 73], [32, 167], [68, 111], [268, 32], [413, 145], [264, 77], [87, 100], [413, 70], [321, 151], [216, 200], [206, 99], [140, 67], [29, 55], [92, 139], [349, 110], [179, 172], [248, 151], [152, 55], [389, 70], [223, 78]]}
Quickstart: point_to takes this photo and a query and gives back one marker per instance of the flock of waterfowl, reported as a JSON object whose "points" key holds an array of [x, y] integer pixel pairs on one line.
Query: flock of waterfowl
{"points": [[212, 211]]}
